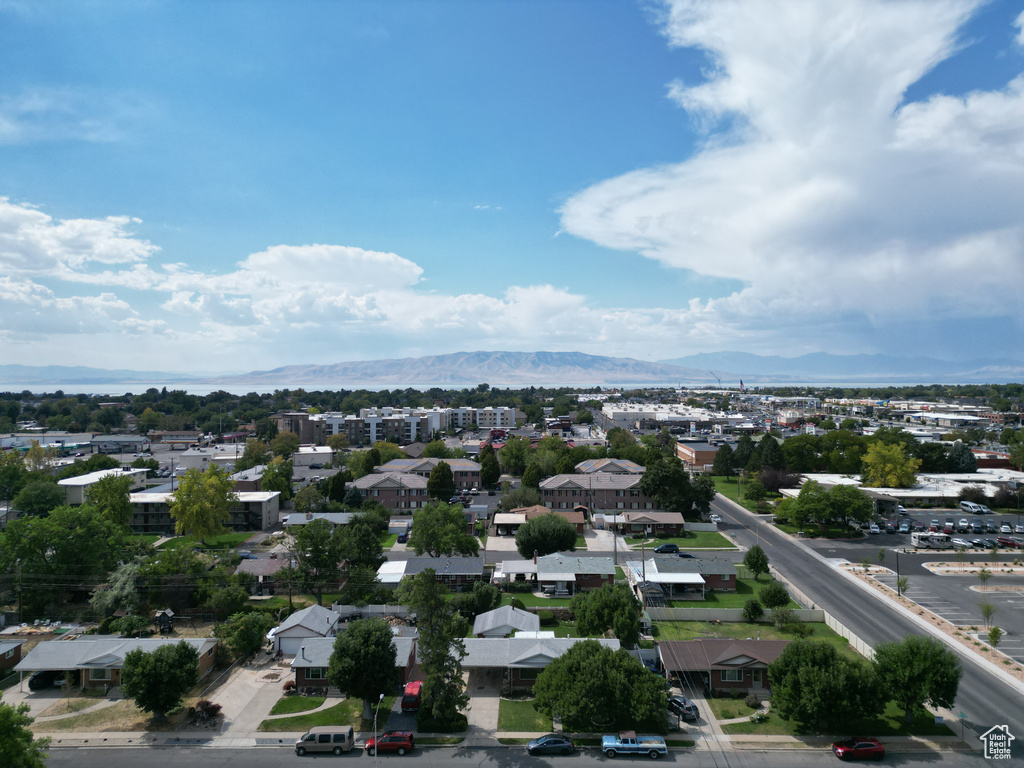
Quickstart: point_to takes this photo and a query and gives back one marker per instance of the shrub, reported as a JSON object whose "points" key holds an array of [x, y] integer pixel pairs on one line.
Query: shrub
{"points": [[773, 595], [289, 687], [753, 700], [517, 603], [207, 706], [547, 618], [752, 611]]}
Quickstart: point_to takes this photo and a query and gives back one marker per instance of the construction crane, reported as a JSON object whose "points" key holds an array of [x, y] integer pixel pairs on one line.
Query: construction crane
{"points": [[716, 379]]}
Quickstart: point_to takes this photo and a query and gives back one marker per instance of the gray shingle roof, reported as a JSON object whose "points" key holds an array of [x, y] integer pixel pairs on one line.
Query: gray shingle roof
{"points": [[506, 616], [316, 652], [315, 618], [99, 652], [559, 562], [490, 652], [446, 566]]}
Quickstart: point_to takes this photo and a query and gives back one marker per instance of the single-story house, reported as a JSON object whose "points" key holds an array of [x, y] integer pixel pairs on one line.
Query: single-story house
{"points": [[10, 653], [454, 572], [299, 518], [561, 573], [264, 569], [507, 523], [522, 658], [652, 523], [502, 622], [722, 663], [575, 516], [97, 659], [680, 576], [302, 626], [313, 657]]}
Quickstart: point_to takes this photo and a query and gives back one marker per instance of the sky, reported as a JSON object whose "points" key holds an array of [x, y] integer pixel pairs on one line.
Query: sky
{"points": [[237, 186]]}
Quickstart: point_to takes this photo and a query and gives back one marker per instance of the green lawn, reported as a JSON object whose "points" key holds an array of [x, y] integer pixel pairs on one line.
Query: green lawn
{"points": [[227, 541], [581, 543], [347, 712], [745, 590], [693, 540], [727, 709], [387, 541], [620, 575], [521, 716], [688, 630], [289, 705], [148, 538], [812, 531], [889, 723], [530, 600]]}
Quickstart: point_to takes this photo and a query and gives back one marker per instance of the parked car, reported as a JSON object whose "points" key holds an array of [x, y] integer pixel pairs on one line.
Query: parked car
{"points": [[492, 492], [890, 527], [960, 543], [933, 527], [403, 537], [874, 528], [919, 526], [900, 509], [983, 510], [667, 547], [1005, 528], [391, 741], [989, 543], [46, 678], [977, 526], [628, 743], [247, 556], [904, 527], [685, 554], [859, 748], [683, 707], [1006, 541], [964, 525], [1018, 528], [552, 744], [326, 738], [991, 527]]}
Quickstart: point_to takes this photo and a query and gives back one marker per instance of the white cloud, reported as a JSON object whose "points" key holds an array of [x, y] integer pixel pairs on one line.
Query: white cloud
{"points": [[64, 114], [823, 194], [1019, 24]]}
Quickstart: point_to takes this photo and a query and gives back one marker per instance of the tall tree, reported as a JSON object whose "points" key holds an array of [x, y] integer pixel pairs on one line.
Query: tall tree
{"points": [[723, 461], [962, 460], [436, 449], [520, 497], [612, 607], [202, 503], [364, 662], [441, 648], [703, 493], [756, 561], [490, 470], [918, 670], [244, 633], [285, 444], [813, 684], [121, 592], [439, 529], [441, 483], [533, 475], [668, 483], [18, 747], [256, 452], [317, 552], [889, 466], [38, 497], [159, 679], [110, 496], [278, 477], [360, 544], [844, 503], [545, 534], [12, 474], [514, 455], [744, 448]]}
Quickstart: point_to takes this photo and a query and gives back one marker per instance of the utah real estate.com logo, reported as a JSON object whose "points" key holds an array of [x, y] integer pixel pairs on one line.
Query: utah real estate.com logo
{"points": [[997, 742]]}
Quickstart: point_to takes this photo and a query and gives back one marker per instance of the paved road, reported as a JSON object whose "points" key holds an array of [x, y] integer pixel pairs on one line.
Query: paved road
{"points": [[500, 757], [986, 700]]}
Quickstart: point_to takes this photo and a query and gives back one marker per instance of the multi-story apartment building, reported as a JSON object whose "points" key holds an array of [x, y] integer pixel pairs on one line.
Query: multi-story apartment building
{"points": [[600, 490], [409, 425], [254, 510], [395, 490], [466, 472]]}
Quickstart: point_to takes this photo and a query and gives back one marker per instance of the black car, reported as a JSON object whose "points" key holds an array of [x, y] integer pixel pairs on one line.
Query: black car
{"points": [[683, 707], [552, 744], [46, 678], [685, 554], [667, 547]]}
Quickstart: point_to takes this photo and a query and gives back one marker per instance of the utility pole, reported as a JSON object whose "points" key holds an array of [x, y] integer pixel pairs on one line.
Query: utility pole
{"points": [[20, 619]]}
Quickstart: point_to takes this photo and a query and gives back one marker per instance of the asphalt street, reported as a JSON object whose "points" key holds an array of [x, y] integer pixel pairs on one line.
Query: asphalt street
{"points": [[984, 699], [498, 757]]}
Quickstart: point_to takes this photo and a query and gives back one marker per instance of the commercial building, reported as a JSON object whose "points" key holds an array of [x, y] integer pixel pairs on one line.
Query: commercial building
{"points": [[75, 488]]}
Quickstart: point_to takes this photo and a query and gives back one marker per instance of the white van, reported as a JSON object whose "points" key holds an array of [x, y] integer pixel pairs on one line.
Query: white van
{"points": [[326, 738], [970, 507]]}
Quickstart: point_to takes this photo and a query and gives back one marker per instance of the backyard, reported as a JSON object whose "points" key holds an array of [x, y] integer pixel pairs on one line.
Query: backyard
{"points": [[690, 630]]}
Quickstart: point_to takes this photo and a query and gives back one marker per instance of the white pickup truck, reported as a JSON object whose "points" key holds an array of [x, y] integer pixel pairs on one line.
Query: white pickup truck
{"points": [[628, 743]]}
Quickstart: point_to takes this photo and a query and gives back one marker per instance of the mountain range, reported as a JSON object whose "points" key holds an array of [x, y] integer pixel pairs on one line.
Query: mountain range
{"points": [[523, 369]]}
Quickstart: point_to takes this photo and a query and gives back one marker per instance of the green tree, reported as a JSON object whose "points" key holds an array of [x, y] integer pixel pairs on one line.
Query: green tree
{"points": [[51, 549], [961, 459], [668, 483], [439, 529], [813, 684], [364, 662], [754, 490], [317, 552], [12, 474], [590, 684], [984, 575], [244, 633], [121, 592], [756, 561], [918, 670], [38, 497], [519, 498], [360, 543], [158, 680], [723, 461], [18, 748], [308, 500], [285, 444], [703, 493], [545, 534], [149, 420], [533, 475], [441, 648], [353, 498], [988, 610], [744, 448], [490, 470], [612, 607], [278, 477], [202, 503], [889, 466], [513, 455], [752, 610], [441, 483], [110, 496], [773, 595], [847, 502], [811, 504], [152, 466], [995, 635], [255, 453], [130, 626], [436, 449]]}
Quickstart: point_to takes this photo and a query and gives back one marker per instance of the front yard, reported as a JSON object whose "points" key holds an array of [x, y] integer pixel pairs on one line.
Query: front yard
{"points": [[889, 723], [690, 630], [693, 540], [348, 712], [519, 716], [746, 589]]}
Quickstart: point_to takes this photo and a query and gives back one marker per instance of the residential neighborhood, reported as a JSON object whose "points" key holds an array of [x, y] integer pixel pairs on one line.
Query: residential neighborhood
{"points": [[693, 571]]}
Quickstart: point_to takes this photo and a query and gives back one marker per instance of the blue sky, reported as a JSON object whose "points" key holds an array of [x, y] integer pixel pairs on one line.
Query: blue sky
{"points": [[233, 186]]}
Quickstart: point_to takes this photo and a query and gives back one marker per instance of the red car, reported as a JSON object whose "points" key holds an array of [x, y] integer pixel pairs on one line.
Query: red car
{"points": [[390, 741], [859, 748]]}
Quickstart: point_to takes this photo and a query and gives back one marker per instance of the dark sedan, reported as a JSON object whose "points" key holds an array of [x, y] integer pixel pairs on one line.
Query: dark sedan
{"points": [[667, 547], [552, 744]]}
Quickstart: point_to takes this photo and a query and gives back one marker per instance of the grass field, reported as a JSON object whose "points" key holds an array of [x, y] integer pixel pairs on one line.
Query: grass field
{"points": [[745, 590], [520, 716], [347, 712], [148, 538], [532, 601], [227, 541], [289, 705], [387, 541], [688, 630], [581, 543], [727, 709], [693, 540], [889, 723]]}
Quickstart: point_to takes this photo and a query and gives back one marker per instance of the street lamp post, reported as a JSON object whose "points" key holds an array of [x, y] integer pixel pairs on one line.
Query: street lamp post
{"points": [[376, 710], [897, 551]]}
